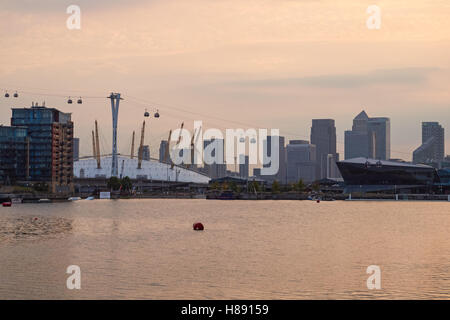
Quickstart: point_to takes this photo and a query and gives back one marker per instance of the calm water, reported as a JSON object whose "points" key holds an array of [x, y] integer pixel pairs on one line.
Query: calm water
{"points": [[249, 250]]}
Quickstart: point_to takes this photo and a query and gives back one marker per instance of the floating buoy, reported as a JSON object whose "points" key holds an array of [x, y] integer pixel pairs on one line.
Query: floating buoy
{"points": [[35, 218], [198, 226], [318, 201], [7, 204]]}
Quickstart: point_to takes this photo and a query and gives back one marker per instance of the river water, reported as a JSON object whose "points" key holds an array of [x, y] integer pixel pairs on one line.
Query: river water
{"points": [[146, 249]]}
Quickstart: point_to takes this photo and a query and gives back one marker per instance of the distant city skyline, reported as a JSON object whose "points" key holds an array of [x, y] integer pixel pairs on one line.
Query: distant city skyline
{"points": [[315, 60]]}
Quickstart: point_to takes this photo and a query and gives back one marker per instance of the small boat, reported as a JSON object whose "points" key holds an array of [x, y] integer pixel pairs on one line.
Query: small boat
{"points": [[16, 200], [74, 198], [7, 204], [90, 198], [44, 201]]}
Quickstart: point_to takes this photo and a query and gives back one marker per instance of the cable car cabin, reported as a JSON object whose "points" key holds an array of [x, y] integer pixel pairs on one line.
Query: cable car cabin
{"points": [[69, 101], [157, 114], [80, 101], [146, 114], [7, 95], [16, 95]]}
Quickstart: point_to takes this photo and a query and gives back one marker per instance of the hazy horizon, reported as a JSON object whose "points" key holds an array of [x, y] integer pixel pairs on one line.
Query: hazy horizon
{"points": [[267, 63]]}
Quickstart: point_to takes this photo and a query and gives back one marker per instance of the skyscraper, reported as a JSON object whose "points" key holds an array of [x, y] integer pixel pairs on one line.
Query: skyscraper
{"points": [[432, 149], [243, 166], [301, 161], [380, 130], [218, 168], [146, 152], [280, 176], [323, 136], [357, 141], [369, 138], [162, 151]]}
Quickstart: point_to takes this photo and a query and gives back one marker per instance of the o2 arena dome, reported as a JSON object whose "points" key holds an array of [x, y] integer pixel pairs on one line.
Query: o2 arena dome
{"points": [[150, 170]]}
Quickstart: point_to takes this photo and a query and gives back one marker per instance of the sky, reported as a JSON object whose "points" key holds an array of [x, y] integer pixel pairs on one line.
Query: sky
{"points": [[231, 64]]}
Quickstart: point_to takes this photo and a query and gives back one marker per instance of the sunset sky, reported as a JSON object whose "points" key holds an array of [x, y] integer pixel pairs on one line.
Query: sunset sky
{"points": [[231, 63]]}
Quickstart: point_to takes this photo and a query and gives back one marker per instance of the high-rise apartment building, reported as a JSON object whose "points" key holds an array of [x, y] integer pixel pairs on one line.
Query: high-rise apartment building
{"points": [[51, 145], [14, 150]]}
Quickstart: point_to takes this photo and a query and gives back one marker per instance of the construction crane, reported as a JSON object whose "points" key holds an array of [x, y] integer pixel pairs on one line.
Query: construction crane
{"points": [[141, 147], [132, 146]]}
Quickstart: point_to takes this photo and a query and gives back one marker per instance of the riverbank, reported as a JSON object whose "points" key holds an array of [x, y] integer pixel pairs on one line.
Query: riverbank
{"points": [[38, 198]]}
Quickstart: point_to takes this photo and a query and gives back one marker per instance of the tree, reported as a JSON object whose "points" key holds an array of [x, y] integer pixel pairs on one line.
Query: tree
{"points": [[233, 186], [300, 186], [126, 183], [214, 186], [316, 186], [255, 186], [113, 183], [275, 187]]}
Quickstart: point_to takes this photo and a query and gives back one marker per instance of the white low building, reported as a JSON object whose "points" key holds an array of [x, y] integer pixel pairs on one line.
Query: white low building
{"points": [[150, 170]]}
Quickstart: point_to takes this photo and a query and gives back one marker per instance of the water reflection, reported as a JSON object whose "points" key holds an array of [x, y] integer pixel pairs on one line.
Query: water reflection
{"points": [[146, 249], [32, 228]]}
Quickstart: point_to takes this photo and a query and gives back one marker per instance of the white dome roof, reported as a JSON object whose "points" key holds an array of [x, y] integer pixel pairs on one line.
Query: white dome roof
{"points": [[151, 170]]}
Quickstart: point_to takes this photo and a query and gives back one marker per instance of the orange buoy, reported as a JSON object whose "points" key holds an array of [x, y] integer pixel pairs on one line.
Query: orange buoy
{"points": [[198, 226]]}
